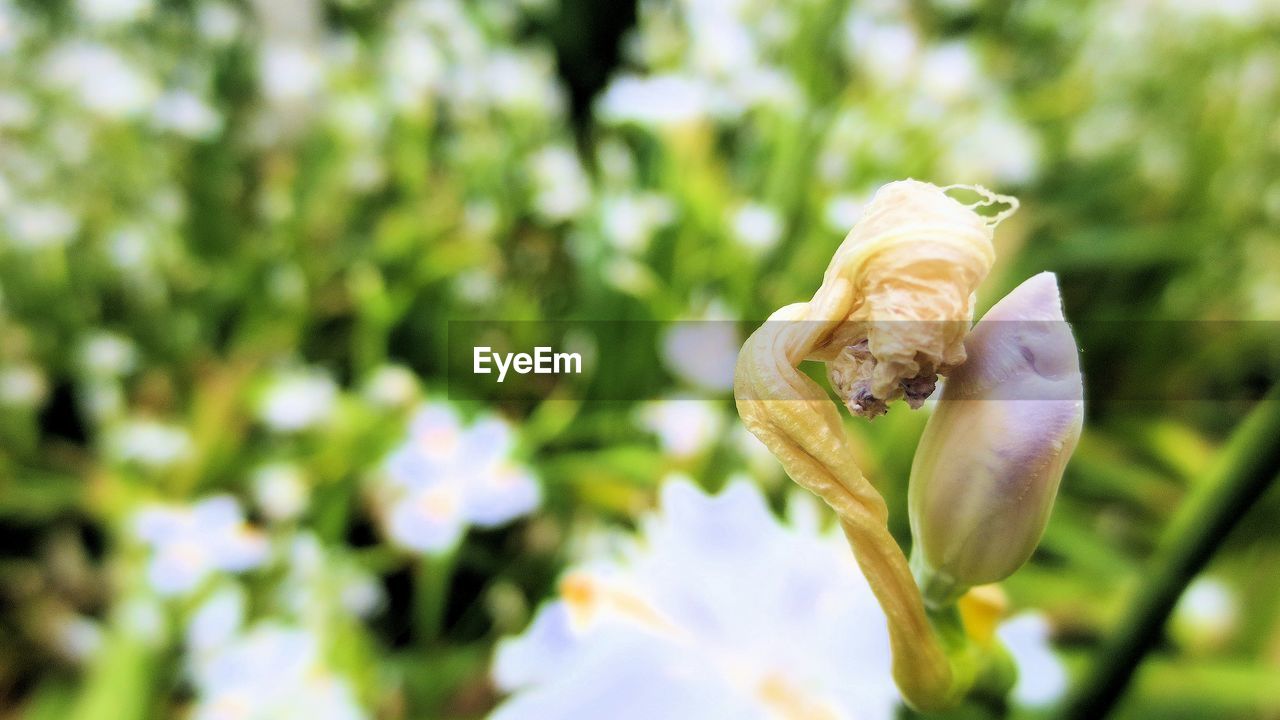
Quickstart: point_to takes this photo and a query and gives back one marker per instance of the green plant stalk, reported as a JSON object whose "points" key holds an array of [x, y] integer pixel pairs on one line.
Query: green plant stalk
{"points": [[1242, 473], [431, 594]]}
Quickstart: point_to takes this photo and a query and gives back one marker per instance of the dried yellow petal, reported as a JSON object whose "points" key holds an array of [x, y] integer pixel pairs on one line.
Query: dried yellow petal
{"points": [[911, 264]]}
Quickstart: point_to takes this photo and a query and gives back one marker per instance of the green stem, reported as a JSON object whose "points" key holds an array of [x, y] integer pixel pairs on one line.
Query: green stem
{"points": [[431, 596], [1243, 472]]}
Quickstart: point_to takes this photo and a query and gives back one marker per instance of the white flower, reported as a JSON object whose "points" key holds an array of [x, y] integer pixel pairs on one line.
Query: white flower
{"points": [[186, 114], [414, 68], [33, 226], [654, 101], [950, 73], [517, 81], [108, 355], [149, 443], [447, 476], [1206, 614], [280, 491], [1042, 678], [843, 211], [217, 22], [561, 188], [995, 147], [17, 112], [629, 220], [298, 400], [684, 427], [272, 672], [22, 386], [105, 82], [391, 386], [289, 72], [885, 53], [217, 621], [704, 352], [757, 227], [78, 638], [113, 12], [718, 610], [190, 543]]}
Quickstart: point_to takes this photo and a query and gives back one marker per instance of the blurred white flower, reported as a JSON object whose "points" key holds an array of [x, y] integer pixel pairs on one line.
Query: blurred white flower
{"points": [[629, 220], [414, 68], [994, 147], [217, 22], [12, 27], [717, 610], [298, 400], [105, 83], [190, 543], [654, 101], [108, 355], [1042, 678], [520, 81], [23, 386], [756, 227], [17, 112], [290, 72], [843, 211], [113, 12], [391, 386], [271, 672], [149, 443], [186, 114], [216, 621], [704, 351], [33, 226], [446, 476], [684, 427], [77, 637], [884, 52], [1206, 614], [561, 187], [280, 491], [949, 73]]}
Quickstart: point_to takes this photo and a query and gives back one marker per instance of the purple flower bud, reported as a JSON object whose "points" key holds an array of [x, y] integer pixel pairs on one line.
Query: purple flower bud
{"points": [[988, 466]]}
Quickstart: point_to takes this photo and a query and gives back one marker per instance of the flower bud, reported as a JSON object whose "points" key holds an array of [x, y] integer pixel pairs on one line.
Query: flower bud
{"points": [[988, 465]]}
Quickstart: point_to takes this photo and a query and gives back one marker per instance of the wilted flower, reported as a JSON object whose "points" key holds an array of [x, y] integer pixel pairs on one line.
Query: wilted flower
{"points": [[190, 543], [718, 610], [446, 476], [987, 468]]}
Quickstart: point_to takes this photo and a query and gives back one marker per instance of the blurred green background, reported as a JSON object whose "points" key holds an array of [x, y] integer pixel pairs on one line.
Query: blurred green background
{"points": [[232, 235]]}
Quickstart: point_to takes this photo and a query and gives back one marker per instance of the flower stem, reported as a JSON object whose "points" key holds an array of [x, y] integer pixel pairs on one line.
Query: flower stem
{"points": [[431, 596], [1243, 472]]}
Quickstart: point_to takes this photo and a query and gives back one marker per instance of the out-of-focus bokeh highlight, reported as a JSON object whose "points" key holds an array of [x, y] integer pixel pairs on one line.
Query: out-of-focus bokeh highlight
{"points": [[232, 234]]}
